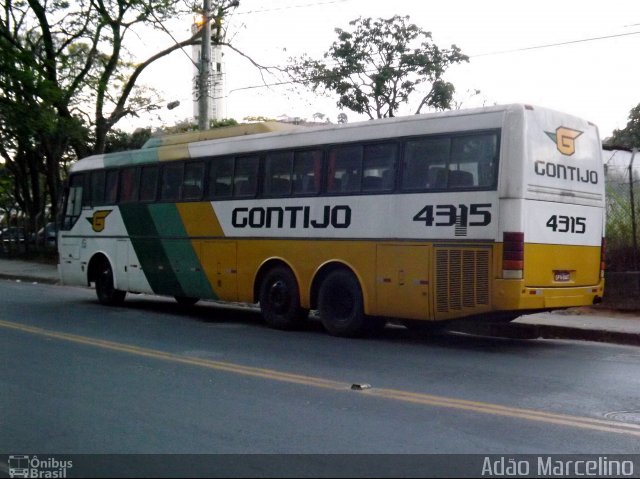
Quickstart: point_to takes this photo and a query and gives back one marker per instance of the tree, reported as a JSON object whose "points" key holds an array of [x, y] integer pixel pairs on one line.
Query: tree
{"points": [[379, 65], [66, 80], [628, 137], [118, 140]]}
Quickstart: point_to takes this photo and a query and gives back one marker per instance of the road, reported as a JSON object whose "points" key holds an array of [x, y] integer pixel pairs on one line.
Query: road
{"points": [[154, 377]]}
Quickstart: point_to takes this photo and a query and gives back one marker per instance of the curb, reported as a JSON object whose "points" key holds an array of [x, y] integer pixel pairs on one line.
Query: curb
{"points": [[599, 335], [546, 331], [29, 279]]}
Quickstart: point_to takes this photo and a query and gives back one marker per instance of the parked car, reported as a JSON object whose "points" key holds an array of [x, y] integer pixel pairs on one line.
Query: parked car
{"points": [[12, 234], [47, 236]]}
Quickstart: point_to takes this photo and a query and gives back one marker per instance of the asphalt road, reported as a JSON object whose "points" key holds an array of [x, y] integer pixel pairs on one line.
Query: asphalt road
{"points": [[153, 377]]}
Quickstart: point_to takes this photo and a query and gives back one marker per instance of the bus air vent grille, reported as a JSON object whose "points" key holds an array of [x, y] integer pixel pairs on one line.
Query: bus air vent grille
{"points": [[462, 279]]}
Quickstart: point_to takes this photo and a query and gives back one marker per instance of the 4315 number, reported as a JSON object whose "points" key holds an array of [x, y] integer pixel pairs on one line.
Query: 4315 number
{"points": [[448, 215], [567, 224]]}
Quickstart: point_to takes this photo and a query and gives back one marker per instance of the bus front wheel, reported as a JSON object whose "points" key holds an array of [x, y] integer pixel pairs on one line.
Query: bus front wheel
{"points": [[105, 289], [341, 305], [280, 299]]}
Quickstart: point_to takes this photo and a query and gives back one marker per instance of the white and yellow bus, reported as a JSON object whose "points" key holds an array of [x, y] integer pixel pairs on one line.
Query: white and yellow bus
{"points": [[489, 212]]}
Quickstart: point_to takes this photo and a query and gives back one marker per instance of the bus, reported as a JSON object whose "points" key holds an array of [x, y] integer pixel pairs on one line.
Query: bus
{"points": [[482, 213]]}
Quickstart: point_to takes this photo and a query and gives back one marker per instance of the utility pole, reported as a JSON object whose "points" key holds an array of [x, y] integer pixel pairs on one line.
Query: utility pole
{"points": [[205, 65]]}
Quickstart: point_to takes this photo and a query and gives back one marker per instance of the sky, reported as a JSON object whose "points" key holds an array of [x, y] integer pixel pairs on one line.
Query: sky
{"points": [[534, 52]]}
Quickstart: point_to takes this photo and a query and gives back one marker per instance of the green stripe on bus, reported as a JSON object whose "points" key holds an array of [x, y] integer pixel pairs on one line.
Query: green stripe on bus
{"points": [[180, 251], [152, 255]]}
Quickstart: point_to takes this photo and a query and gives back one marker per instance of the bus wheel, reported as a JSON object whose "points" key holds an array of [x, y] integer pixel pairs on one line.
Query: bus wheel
{"points": [[106, 291], [280, 299], [186, 301], [341, 305]]}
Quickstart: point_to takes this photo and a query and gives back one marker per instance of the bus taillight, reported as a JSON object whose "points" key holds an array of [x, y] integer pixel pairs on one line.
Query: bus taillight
{"points": [[512, 255]]}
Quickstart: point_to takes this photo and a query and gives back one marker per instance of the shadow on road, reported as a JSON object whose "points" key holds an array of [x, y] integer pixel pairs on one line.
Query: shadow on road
{"points": [[476, 339]]}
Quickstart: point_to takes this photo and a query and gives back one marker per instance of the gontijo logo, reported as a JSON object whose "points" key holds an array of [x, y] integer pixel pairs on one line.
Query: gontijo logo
{"points": [[98, 220], [565, 139]]}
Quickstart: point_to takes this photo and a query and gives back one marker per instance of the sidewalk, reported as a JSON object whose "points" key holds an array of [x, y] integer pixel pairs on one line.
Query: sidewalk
{"points": [[584, 323], [29, 271]]}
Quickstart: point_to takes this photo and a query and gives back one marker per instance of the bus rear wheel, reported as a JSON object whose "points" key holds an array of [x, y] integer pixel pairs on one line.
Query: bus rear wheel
{"points": [[105, 289], [280, 299], [342, 308]]}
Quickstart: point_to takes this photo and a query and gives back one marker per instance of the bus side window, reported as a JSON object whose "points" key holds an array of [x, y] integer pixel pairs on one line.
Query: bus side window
{"points": [[307, 172], [245, 182], [148, 183], [345, 169], [220, 178], [425, 164], [129, 185], [379, 166], [73, 206], [171, 181], [97, 187], [193, 178], [472, 160], [111, 188], [277, 173]]}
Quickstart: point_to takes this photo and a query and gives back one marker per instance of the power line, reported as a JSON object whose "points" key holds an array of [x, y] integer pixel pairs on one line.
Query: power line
{"points": [[536, 47], [549, 45], [289, 7], [290, 82]]}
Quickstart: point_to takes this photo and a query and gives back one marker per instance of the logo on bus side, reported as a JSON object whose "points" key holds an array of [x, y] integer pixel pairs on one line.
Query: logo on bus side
{"points": [[98, 220], [565, 139]]}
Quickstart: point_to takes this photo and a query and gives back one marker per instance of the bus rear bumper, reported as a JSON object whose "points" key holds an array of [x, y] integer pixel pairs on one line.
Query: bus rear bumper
{"points": [[514, 295]]}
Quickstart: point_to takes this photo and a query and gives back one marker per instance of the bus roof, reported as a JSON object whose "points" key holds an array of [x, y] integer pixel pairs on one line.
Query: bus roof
{"points": [[260, 136], [223, 132]]}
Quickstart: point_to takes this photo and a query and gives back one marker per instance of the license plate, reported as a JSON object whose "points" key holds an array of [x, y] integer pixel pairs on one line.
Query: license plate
{"points": [[560, 276]]}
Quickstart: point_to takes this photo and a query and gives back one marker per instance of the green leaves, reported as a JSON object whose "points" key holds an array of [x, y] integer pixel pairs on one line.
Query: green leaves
{"points": [[379, 65], [629, 136]]}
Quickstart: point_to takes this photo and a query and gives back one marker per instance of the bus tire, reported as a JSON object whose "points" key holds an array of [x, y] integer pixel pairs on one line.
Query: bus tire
{"points": [[105, 289], [186, 301], [280, 299], [341, 305]]}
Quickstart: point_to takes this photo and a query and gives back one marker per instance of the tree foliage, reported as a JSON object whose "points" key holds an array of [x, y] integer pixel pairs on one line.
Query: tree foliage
{"points": [[379, 65], [66, 79], [628, 137]]}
